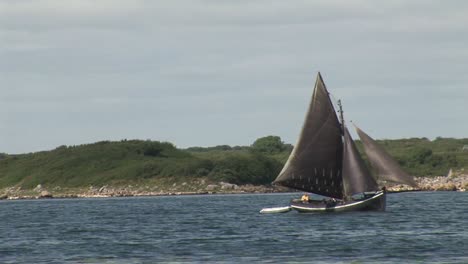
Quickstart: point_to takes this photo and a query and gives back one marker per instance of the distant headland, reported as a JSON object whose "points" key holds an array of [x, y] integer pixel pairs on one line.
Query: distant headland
{"points": [[137, 167]]}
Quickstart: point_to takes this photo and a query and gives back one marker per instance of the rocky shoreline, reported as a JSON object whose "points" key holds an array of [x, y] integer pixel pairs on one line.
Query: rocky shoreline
{"points": [[440, 183], [15, 193]]}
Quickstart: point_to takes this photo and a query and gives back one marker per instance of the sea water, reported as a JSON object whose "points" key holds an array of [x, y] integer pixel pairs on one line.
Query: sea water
{"points": [[418, 227]]}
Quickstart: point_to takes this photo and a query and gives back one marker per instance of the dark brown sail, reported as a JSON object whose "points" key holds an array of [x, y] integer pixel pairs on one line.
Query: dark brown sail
{"points": [[356, 177], [386, 167], [315, 162]]}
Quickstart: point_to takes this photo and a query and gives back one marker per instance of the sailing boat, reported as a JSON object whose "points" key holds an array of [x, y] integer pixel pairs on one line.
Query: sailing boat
{"points": [[325, 161]]}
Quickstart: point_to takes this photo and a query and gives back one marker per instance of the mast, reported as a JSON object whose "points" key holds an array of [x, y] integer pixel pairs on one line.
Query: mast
{"points": [[356, 176], [341, 116]]}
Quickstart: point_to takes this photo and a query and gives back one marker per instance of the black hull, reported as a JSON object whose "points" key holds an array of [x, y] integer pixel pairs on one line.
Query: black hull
{"points": [[375, 203]]}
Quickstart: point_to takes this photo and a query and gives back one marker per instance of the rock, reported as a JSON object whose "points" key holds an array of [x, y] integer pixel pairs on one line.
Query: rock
{"points": [[228, 186], [449, 187], [450, 174], [456, 182], [102, 189], [38, 188], [211, 187], [45, 194], [93, 189], [3, 196]]}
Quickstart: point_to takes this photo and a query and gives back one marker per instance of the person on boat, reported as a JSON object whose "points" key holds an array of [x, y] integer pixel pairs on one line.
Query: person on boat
{"points": [[305, 198]]}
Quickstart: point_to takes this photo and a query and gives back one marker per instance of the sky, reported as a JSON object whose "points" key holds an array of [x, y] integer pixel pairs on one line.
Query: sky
{"points": [[215, 72]]}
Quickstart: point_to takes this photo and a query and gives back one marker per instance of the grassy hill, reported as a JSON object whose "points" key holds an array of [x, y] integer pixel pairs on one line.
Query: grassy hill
{"points": [[132, 162], [141, 162]]}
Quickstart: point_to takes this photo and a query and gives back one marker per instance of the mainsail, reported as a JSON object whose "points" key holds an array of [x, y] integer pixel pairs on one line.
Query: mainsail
{"points": [[325, 159], [316, 160], [386, 167], [356, 177]]}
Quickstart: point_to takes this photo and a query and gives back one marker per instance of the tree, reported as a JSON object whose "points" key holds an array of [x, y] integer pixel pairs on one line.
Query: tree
{"points": [[268, 145]]}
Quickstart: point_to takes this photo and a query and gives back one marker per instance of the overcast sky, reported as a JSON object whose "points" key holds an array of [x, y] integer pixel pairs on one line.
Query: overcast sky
{"points": [[205, 73]]}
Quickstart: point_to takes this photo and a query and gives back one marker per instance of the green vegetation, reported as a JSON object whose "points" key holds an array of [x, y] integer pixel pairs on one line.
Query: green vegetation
{"points": [[140, 162]]}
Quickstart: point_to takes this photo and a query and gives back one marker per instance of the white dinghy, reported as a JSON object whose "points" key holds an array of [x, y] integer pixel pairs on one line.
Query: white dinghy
{"points": [[275, 210]]}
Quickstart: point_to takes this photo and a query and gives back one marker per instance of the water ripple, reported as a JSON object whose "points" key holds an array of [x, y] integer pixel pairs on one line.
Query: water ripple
{"points": [[417, 227]]}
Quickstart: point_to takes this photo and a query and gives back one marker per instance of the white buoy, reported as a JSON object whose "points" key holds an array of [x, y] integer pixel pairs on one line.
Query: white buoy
{"points": [[275, 210]]}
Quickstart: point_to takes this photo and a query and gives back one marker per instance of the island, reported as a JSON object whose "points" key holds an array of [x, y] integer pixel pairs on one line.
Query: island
{"points": [[145, 167]]}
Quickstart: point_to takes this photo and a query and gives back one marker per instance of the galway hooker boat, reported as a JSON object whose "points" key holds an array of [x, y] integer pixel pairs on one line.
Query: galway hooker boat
{"points": [[325, 161]]}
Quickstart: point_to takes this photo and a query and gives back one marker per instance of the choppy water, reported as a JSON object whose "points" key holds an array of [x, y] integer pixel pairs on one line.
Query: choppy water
{"points": [[417, 227]]}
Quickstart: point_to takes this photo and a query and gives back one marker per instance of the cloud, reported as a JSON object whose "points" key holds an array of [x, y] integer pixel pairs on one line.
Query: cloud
{"points": [[205, 72]]}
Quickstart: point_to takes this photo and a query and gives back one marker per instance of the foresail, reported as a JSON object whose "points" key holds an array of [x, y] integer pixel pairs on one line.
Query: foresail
{"points": [[386, 167], [315, 162], [356, 177]]}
